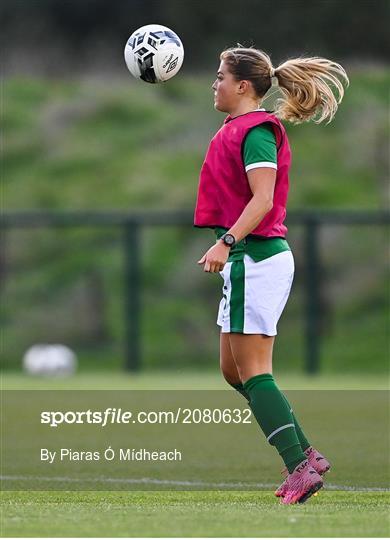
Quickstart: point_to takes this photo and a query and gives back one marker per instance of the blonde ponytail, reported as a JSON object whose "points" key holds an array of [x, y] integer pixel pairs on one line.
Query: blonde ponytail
{"points": [[312, 89]]}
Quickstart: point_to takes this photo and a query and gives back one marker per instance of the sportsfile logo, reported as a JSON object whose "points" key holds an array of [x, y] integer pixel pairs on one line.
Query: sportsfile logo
{"points": [[111, 415]]}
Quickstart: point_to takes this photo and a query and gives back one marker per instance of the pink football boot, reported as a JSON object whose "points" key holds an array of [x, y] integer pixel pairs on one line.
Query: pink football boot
{"points": [[302, 483], [282, 489], [317, 460]]}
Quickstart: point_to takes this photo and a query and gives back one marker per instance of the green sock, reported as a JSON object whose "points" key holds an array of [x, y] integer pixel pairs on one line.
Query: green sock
{"points": [[301, 436], [273, 415], [240, 388]]}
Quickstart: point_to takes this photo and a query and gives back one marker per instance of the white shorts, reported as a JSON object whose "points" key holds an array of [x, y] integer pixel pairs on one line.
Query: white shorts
{"points": [[255, 293]]}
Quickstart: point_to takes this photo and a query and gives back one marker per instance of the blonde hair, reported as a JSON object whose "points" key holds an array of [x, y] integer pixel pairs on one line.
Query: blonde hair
{"points": [[312, 88]]}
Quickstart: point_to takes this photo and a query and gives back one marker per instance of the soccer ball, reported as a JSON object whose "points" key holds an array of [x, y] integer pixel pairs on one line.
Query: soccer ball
{"points": [[49, 360], [154, 53]]}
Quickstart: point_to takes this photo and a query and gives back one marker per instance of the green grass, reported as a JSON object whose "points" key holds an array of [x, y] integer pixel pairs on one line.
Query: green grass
{"points": [[192, 514], [129, 513], [187, 380]]}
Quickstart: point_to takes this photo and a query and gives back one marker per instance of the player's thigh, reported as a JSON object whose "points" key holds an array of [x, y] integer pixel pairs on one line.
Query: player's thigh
{"points": [[252, 354], [226, 360]]}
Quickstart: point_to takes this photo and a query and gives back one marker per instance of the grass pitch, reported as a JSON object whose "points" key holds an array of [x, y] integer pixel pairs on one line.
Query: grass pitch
{"points": [[192, 514], [195, 513]]}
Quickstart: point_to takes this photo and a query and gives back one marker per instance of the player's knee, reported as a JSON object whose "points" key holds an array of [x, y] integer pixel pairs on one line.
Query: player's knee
{"points": [[230, 376]]}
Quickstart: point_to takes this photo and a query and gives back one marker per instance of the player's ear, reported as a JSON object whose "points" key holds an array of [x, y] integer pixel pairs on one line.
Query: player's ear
{"points": [[243, 87]]}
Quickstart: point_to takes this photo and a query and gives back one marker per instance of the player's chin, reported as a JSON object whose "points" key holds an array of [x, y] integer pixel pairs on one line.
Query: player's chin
{"points": [[219, 106]]}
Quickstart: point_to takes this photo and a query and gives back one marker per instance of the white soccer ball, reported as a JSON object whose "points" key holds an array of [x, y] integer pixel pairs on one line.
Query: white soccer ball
{"points": [[49, 360], [154, 53]]}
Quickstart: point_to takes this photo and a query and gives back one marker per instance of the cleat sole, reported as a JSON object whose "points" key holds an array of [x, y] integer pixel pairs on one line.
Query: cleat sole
{"points": [[311, 492]]}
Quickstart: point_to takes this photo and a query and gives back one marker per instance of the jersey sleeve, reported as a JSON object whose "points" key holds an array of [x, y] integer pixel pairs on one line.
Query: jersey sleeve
{"points": [[260, 148]]}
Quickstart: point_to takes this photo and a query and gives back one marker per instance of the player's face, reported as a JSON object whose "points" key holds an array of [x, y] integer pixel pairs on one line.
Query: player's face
{"points": [[225, 89]]}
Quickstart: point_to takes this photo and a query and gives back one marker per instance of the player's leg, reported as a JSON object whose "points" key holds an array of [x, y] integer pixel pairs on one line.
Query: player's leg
{"points": [[262, 363], [316, 460], [231, 375], [252, 354], [230, 372], [228, 365], [243, 282], [246, 289], [226, 360]]}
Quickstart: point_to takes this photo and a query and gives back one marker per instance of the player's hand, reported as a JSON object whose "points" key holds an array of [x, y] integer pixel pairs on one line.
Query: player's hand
{"points": [[215, 258]]}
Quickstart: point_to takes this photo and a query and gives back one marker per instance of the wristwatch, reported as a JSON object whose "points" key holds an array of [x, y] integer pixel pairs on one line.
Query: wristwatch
{"points": [[228, 240]]}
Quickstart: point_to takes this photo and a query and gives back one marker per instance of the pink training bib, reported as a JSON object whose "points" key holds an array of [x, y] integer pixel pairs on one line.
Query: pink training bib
{"points": [[224, 190]]}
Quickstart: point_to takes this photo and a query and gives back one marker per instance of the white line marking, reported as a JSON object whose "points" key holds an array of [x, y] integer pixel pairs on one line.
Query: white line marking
{"points": [[188, 483]]}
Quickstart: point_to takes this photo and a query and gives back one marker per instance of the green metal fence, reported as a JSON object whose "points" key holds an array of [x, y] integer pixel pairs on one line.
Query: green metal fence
{"points": [[132, 223]]}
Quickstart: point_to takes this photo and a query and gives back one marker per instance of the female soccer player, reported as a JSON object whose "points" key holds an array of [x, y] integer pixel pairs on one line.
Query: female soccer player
{"points": [[242, 194]]}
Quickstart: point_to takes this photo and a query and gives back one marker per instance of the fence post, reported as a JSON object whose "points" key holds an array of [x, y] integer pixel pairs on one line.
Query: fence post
{"points": [[312, 274], [132, 288]]}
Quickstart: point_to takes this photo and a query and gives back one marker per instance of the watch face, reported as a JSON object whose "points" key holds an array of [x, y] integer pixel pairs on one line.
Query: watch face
{"points": [[229, 239]]}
